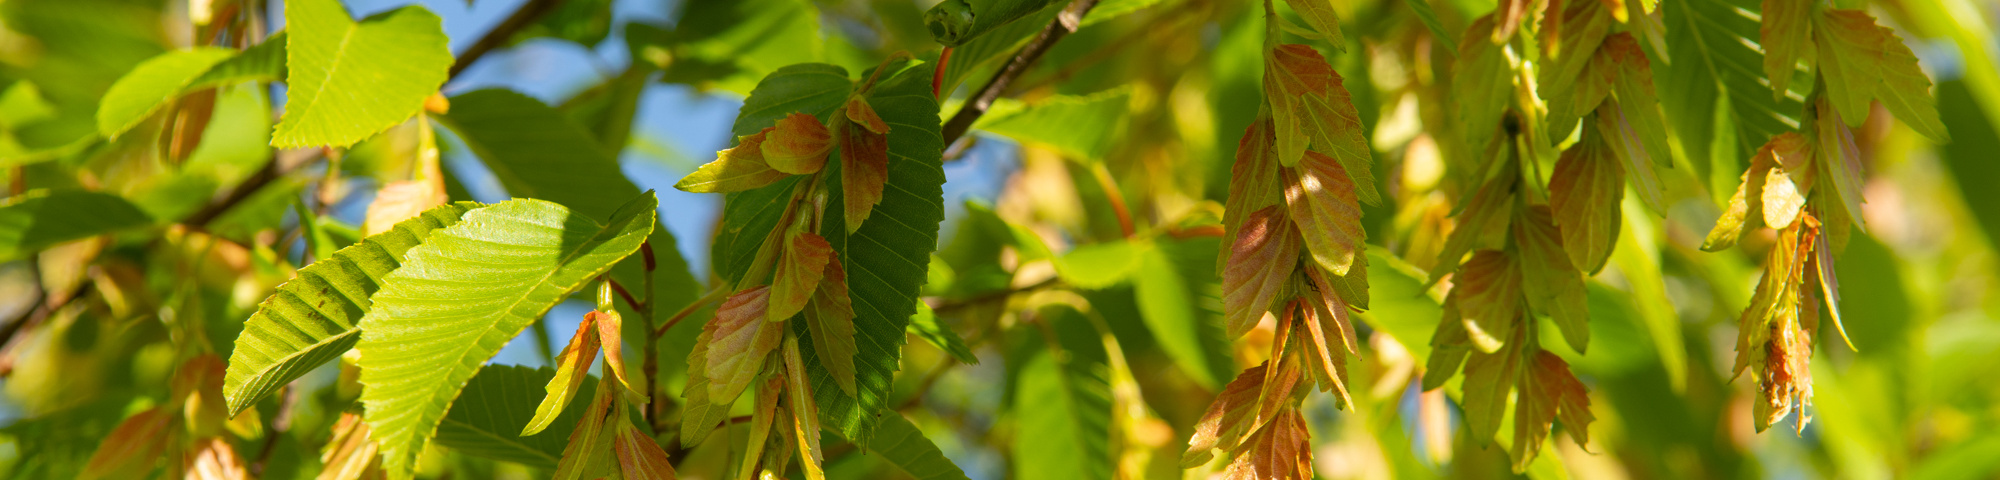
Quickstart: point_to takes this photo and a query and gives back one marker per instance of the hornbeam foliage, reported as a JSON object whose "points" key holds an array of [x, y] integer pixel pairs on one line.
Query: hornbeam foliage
{"points": [[983, 239]]}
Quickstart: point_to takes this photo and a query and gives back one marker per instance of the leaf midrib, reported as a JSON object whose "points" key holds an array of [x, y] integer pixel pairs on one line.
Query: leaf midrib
{"points": [[544, 280], [339, 54]]}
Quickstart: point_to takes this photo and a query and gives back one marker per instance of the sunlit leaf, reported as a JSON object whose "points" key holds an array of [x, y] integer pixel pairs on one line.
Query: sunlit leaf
{"points": [[1786, 36], [740, 342], [1489, 298], [153, 85], [1548, 392], [349, 80], [531, 254], [571, 368], [1260, 263], [1321, 200], [798, 145], [134, 447], [737, 169], [1281, 450], [313, 319], [799, 273]]}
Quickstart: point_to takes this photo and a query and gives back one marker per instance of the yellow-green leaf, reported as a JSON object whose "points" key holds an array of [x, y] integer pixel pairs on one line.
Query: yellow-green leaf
{"points": [[349, 80], [571, 366], [734, 170]]}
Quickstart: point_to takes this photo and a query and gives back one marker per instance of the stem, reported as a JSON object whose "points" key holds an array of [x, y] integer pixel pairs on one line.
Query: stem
{"points": [[712, 296], [651, 362], [1064, 24], [527, 15], [1112, 194]]}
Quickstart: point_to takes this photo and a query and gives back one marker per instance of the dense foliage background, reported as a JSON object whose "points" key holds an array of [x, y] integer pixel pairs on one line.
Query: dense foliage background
{"points": [[382, 238]]}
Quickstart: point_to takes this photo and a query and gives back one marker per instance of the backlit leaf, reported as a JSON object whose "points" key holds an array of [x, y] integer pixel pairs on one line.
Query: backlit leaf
{"points": [[1227, 419], [886, 258], [152, 85], [1786, 35], [349, 80], [571, 367], [1745, 211], [737, 169], [1481, 84], [1320, 14], [313, 318], [1281, 450], [1488, 379], [1321, 200], [1553, 286], [798, 145], [800, 270], [1253, 181], [1839, 159], [531, 254], [1483, 218], [1548, 392], [1266, 251], [134, 447], [1489, 298], [740, 341], [1585, 193]]}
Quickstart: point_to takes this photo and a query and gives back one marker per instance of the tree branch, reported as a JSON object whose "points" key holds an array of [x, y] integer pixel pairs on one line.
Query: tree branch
{"points": [[1064, 24], [527, 15]]}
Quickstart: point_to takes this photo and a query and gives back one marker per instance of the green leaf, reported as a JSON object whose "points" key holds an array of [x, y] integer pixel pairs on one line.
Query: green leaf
{"points": [[1712, 89], [41, 219], [901, 443], [1100, 265], [351, 80], [536, 152], [152, 85], [888, 257], [1481, 84], [1170, 285], [955, 22], [925, 326], [311, 319], [731, 45], [1786, 36], [468, 289], [1081, 126], [1553, 286], [1585, 192], [1430, 19], [491, 426], [1320, 14], [22, 104], [263, 62], [1063, 403]]}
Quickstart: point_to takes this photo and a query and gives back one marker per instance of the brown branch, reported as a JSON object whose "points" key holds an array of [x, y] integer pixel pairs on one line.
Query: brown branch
{"points": [[527, 15], [1064, 24]]}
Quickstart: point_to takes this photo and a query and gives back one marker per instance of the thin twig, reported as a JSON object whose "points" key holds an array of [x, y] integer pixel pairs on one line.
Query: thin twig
{"points": [[1064, 24], [685, 311], [991, 296], [527, 15]]}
